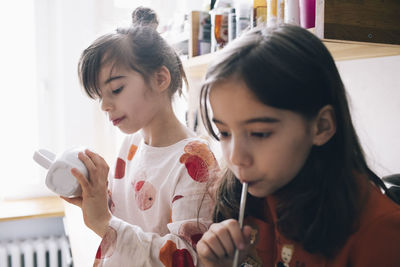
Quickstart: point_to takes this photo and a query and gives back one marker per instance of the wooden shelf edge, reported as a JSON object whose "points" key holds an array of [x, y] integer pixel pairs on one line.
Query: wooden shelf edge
{"points": [[42, 207], [196, 67], [348, 50]]}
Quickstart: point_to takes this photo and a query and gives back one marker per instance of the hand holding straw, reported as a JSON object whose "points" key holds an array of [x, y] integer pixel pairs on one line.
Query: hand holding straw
{"points": [[241, 216]]}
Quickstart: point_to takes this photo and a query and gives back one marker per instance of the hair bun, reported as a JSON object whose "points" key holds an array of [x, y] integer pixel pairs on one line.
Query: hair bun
{"points": [[144, 16]]}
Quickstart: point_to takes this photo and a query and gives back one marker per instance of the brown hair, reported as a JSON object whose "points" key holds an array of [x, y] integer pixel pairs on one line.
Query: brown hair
{"points": [[144, 16], [139, 47], [289, 68]]}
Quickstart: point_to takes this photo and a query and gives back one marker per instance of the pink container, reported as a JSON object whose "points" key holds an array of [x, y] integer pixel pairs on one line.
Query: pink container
{"points": [[307, 13]]}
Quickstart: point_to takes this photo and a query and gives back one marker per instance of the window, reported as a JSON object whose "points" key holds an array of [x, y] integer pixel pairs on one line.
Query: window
{"points": [[43, 105], [19, 108]]}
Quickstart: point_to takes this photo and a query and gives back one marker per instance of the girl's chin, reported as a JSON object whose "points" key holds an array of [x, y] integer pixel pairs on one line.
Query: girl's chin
{"points": [[258, 191]]}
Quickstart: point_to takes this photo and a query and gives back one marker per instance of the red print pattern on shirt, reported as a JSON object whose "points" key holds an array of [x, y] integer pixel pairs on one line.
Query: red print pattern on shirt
{"points": [[120, 169], [198, 160], [132, 152], [176, 198], [170, 256], [107, 245], [145, 194], [192, 232]]}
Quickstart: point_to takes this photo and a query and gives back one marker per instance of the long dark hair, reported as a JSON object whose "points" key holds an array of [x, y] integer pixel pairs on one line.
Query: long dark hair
{"points": [[138, 47], [289, 68]]}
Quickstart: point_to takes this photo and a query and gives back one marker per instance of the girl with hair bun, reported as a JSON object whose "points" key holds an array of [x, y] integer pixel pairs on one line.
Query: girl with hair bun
{"points": [[153, 207]]}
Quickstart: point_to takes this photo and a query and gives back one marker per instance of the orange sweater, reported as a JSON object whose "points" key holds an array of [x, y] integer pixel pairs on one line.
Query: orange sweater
{"points": [[375, 244]]}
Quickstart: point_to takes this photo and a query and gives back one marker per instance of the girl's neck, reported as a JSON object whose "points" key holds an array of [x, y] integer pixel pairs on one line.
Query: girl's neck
{"points": [[165, 129]]}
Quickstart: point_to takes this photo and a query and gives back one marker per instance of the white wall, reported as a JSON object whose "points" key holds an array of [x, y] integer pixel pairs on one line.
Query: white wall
{"points": [[374, 90]]}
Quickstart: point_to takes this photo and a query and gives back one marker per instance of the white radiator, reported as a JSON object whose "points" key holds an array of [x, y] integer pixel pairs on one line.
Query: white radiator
{"points": [[40, 252]]}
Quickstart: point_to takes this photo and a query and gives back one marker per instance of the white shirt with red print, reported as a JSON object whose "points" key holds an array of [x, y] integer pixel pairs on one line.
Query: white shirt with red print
{"points": [[160, 207]]}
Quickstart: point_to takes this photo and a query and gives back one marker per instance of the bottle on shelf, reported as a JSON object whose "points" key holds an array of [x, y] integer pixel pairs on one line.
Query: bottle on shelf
{"points": [[259, 12], [292, 12], [272, 13], [243, 9]]}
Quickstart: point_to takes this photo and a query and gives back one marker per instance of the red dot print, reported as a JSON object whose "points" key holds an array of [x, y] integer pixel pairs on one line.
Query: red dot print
{"points": [[195, 238], [176, 198], [182, 258], [197, 168], [138, 186], [170, 256], [120, 169], [145, 195], [107, 245], [192, 232]]}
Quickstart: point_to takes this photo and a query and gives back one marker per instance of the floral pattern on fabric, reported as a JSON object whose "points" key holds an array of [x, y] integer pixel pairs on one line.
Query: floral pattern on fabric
{"points": [[132, 152], [198, 160], [176, 198], [145, 194], [120, 169], [170, 256], [107, 245], [192, 232]]}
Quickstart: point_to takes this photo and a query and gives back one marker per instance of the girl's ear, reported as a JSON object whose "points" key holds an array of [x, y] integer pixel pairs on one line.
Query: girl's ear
{"points": [[162, 79], [325, 125]]}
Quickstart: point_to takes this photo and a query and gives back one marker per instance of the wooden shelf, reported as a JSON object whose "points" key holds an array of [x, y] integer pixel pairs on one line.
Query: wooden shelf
{"points": [[346, 50], [196, 67], [31, 208]]}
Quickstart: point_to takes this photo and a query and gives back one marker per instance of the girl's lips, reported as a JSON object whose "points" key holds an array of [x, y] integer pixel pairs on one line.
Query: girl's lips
{"points": [[117, 121], [250, 183]]}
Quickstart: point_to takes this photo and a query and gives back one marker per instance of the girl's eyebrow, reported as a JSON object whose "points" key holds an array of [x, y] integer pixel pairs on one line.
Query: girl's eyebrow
{"points": [[113, 78], [252, 120]]}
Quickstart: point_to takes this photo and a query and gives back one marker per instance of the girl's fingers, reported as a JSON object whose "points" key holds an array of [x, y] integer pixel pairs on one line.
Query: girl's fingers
{"points": [[247, 234], [77, 201], [100, 165], [205, 251], [83, 181], [96, 158], [235, 233], [87, 161], [223, 234], [210, 247], [218, 244]]}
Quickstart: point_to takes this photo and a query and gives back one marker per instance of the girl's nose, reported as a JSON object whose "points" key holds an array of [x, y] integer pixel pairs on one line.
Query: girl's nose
{"points": [[240, 154], [105, 105]]}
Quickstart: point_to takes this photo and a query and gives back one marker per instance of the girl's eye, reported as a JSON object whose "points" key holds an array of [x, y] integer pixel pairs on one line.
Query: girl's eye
{"points": [[117, 91], [223, 135], [261, 134]]}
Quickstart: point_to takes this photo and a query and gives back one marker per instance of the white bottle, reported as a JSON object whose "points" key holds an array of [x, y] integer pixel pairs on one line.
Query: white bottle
{"points": [[243, 9], [292, 12]]}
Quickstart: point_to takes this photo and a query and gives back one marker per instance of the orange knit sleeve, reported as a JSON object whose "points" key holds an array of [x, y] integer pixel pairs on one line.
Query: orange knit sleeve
{"points": [[379, 243]]}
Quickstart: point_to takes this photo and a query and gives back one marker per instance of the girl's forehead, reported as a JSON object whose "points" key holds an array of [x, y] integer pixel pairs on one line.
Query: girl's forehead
{"points": [[234, 89], [112, 69], [236, 97]]}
